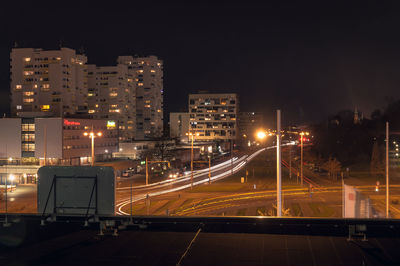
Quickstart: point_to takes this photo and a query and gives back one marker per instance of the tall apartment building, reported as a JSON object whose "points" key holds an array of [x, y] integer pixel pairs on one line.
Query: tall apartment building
{"points": [[147, 73], [111, 95], [48, 82], [214, 116]]}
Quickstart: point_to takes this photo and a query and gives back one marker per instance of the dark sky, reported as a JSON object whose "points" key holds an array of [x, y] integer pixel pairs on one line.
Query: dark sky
{"points": [[310, 59]]}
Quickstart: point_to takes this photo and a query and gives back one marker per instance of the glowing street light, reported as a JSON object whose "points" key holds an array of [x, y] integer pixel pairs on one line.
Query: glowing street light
{"points": [[92, 135], [261, 135]]}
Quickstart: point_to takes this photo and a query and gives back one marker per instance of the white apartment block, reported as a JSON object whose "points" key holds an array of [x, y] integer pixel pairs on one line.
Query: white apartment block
{"points": [[111, 95], [214, 116], [49, 83], [147, 73]]}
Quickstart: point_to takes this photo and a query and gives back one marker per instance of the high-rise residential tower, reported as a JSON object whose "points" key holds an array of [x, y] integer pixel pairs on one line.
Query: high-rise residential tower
{"points": [[48, 82], [111, 95], [147, 73]]}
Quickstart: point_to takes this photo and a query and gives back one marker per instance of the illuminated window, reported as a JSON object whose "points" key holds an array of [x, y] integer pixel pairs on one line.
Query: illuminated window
{"points": [[140, 71], [113, 105], [18, 87], [28, 127], [114, 110], [90, 94], [140, 84], [97, 106], [45, 107], [58, 58], [130, 80], [91, 111], [28, 73], [19, 107], [158, 64], [29, 93], [28, 137], [28, 147], [28, 100], [152, 71], [147, 101], [158, 111], [147, 105], [113, 94], [35, 86], [27, 59]]}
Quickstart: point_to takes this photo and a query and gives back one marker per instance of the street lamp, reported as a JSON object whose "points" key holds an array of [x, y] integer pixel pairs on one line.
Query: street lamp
{"points": [[191, 158], [92, 135], [302, 134], [261, 135], [12, 178]]}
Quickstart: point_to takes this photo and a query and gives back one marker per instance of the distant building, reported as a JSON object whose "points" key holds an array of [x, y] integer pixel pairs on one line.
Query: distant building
{"points": [[249, 123], [111, 95], [147, 73], [214, 116], [49, 83], [179, 125], [61, 140]]}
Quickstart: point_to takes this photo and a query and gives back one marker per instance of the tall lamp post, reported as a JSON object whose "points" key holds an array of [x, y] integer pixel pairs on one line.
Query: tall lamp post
{"points": [[92, 135], [191, 158], [302, 134]]}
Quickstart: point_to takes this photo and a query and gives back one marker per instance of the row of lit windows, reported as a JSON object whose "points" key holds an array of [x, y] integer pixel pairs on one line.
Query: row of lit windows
{"points": [[28, 146], [28, 127], [28, 137]]}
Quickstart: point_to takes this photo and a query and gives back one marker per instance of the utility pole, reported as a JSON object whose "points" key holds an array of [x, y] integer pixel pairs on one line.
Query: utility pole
{"points": [[191, 164], [231, 157], [209, 169], [290, 162], [301, 158], [278, 165], [147, 173], [387, 169], [45, 144]]}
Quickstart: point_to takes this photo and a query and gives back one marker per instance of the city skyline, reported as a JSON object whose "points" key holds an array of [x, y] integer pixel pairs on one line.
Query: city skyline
{"points": [[307, 59]]}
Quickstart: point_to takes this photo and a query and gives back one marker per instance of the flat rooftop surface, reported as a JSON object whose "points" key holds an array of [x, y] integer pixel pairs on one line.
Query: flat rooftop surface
{"points": [[168, 248]]}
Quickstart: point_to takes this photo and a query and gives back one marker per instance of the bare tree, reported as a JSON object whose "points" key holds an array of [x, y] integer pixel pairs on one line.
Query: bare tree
{"points": [[333, 167]]}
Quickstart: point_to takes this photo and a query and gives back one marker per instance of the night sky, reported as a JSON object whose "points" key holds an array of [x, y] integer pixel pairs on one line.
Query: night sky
{"points": [[308, 59]]}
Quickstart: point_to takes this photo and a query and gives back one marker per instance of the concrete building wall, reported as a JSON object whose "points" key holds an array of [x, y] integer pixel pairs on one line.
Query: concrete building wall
{"points": [[10, 138], [179, 125], [111, 95], [147, 73], [214, 116], [48, 136], [51, 82]]}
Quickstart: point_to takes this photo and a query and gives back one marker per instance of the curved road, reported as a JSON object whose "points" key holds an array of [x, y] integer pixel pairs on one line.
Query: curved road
{"points": [[218, 171]]}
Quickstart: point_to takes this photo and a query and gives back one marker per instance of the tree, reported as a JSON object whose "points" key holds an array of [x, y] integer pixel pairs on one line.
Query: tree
{"points": [[333, 167], [377, 160]]}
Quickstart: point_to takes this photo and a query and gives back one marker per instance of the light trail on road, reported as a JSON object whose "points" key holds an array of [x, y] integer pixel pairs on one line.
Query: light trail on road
{"points": [[240, 163]]}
